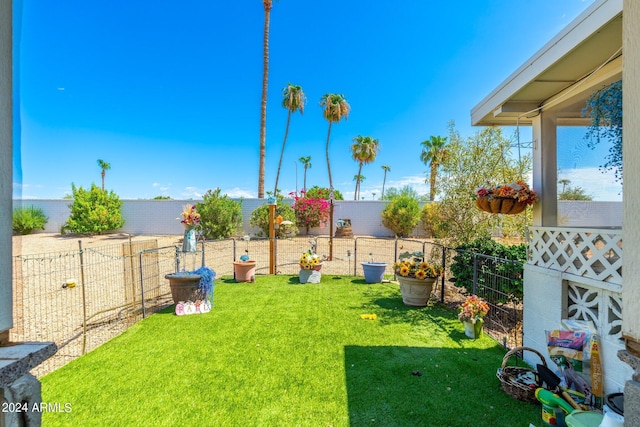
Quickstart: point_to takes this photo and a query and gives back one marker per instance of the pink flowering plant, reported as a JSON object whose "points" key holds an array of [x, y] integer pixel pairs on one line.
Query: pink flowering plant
{"points": [[473, 309], [519, 190], [310, 212]]}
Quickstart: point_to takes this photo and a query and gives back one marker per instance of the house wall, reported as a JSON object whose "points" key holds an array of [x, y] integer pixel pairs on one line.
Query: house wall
{"points": [[6, 170], [545, 305]]}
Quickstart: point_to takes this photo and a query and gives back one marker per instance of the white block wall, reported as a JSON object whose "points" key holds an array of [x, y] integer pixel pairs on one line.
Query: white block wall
{"points": [[158, 217]]}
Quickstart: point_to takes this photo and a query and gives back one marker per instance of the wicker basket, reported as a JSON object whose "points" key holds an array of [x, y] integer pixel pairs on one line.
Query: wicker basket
{"points": [[508, 374], [500, 205]]}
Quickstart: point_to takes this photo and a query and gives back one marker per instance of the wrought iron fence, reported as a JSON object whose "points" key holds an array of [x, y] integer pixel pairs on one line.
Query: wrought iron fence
{"points": [[83, 298]]}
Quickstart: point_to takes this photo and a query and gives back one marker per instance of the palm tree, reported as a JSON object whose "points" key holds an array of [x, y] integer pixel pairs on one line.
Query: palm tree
{"points": [[293, 100], [263, 105], [564, 183], [306, 161], [434, 152], [358, 178], [335, 108], [105, 167], [363, 150], [384, 179]]}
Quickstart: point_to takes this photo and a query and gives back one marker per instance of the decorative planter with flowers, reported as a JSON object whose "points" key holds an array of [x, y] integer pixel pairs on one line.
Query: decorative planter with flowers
{"points": [[190, 218], [310, 266], [505, 199], [472, 312], [416, 278], [192, 291]]}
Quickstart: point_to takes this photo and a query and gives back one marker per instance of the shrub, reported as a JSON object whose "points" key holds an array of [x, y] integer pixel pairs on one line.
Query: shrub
{"points": [[220, 216], [28, 218], [433, 221], [310, 212], [93, 211], [316, 192], [260, 218], [401, 215], [509, 273]]}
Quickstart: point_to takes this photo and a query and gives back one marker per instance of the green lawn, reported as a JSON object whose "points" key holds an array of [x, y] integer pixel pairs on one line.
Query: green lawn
{"points": [[278, 353]]}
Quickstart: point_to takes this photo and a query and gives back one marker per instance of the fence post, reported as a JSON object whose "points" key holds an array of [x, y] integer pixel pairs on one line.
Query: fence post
{"points": [[133, 274], [177, 259], [202, 243], [84, 301], [475, 272], [444, 268], [144, 309], [355, 256]]}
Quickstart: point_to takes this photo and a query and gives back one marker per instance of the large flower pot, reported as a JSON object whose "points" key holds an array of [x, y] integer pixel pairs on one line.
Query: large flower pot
{"points": [[473, 330], [415, 292], [244, 271], [184, 287], [374, 271]]}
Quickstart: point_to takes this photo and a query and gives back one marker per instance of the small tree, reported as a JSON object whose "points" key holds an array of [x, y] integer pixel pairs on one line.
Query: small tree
{"points": [[94, 211], [401, 215], [311, 212], [260, 218], [220, 216], [28, 218]]}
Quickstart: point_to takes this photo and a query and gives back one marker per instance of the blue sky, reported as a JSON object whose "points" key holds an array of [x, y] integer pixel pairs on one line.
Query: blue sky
{"points": [[170, 95]]}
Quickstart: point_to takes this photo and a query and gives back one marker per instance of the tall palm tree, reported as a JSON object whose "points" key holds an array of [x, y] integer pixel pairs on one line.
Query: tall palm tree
{"points": [[434, 152], [335, 108], [384, 179], [263, 104], [358, 178], [306, 161], [564, 183], [105, 167], [363, 150], [293, 99]]}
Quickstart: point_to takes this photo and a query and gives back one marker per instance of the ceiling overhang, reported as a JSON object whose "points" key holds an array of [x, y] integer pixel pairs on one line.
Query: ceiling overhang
{"points": [[584, 55]]}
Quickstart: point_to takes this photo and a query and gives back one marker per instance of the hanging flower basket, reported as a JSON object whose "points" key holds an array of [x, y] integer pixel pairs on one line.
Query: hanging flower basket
{"points": [[500, 205], [505, 199]]}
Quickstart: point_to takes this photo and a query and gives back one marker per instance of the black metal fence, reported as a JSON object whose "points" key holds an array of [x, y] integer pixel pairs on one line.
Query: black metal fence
{"points": [[83, 298]]}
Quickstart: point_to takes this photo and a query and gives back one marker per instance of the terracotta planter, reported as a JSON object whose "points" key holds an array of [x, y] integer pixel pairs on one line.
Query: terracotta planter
{"points": [[374, 271], [473, 330], [500, 205], [244, 271], [415, 292], [184, 287]]}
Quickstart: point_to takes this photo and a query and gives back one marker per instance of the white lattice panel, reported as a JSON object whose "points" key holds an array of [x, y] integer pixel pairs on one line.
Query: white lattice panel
{"points": [[592, 253], [602, 307]]}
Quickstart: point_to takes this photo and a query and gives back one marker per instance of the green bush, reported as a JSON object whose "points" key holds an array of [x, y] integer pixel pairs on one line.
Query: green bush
{"points": [[401, 215], [509, 274], [28, 218], [260, 218], [316, 192], [93, 211], [220, 217]]}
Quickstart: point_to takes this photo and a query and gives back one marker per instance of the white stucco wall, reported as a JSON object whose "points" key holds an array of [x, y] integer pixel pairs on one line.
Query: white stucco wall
{"points": [[6, 170], [544, 308]]}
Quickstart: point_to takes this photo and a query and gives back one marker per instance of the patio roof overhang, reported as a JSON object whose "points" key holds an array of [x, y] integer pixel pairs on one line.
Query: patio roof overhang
{"points": [[583, 57]]}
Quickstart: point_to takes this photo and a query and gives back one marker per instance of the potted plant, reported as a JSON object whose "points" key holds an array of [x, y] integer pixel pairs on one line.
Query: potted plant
{"points": [[472, 312], [244, 270], [310, 266], [416, 278], [505, 199], [190, 218], [192, 286], [373, 271]]}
